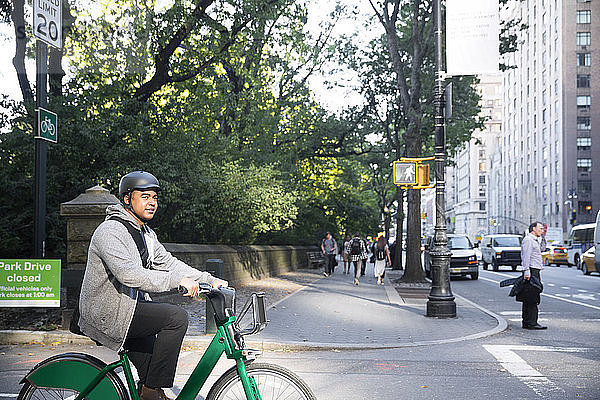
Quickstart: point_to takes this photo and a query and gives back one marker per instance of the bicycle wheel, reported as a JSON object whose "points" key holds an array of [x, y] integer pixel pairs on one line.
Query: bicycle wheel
{"points": [[274, 382], [65, 375]]}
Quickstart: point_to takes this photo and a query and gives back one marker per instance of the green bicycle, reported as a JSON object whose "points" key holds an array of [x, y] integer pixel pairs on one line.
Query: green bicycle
{"points": [[77, 376]]}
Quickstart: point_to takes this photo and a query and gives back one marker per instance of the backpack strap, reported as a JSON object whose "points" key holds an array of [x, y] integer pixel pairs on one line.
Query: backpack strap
{"points": [[137, 238]]}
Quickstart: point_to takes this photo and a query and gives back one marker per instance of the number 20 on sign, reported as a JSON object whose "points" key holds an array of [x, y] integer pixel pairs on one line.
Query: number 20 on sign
{"points": [[47, 21]]}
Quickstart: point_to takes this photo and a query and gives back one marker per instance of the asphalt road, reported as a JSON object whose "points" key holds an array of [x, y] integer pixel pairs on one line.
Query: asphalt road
{"points": [[562, 362]]}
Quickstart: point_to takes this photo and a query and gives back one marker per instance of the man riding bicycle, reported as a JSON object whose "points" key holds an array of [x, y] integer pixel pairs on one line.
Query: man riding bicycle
{"points": [[121, 270]]}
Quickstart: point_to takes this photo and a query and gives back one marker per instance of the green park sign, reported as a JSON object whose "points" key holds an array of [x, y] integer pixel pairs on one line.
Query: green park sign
{"points": [[29, 283], [47, 127]]}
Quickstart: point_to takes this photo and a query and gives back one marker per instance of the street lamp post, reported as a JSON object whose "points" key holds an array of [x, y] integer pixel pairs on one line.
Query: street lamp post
{"points": [[441, 301]]}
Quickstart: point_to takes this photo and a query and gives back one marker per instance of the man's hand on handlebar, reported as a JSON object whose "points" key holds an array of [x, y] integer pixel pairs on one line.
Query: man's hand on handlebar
{"points": [[192, 287], [217, 283]]}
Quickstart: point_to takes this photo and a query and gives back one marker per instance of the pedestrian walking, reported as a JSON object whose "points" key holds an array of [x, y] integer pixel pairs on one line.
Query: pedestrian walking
{"points": [[358, 254], [346, 254], [382, 259], [329, 249], [365, 258], [531, 256]]}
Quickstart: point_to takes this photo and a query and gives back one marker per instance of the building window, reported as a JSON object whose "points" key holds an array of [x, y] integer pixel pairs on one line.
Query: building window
{"points": [[583, 80], [584, 164], [481, 221], [584, 102], [584, 187], [584, 59], [482, 179], [584, 143], [481, 206], [545, 209], [584, 38], [584, 123], [584, 16]]}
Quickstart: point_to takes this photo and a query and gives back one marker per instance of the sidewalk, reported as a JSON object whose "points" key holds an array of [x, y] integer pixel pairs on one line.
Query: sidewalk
{"points": [[328, 313]]}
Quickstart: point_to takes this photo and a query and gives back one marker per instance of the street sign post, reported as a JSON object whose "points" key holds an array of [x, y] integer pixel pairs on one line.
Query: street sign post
{"points": [[47, 21], [47, 126]]}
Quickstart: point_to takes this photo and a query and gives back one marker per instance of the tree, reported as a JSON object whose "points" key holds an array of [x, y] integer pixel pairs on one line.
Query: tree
{"points": [[403, 105]]}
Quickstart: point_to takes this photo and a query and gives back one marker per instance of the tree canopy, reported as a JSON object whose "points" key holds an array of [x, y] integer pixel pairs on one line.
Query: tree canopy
{"points": [[211, 96]]}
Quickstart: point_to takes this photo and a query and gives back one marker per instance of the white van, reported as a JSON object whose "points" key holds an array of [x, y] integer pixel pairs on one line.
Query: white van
{"points": [[581, 238]]}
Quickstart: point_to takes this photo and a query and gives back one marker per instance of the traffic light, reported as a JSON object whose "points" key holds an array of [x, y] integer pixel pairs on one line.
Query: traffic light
{"points": [[573, 217], [424, 216]]}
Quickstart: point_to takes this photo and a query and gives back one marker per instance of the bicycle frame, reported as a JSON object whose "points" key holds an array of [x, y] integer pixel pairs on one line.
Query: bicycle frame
{"points": [[223, 342]]}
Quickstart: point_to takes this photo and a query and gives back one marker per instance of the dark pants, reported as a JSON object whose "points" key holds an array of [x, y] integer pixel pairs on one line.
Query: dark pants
{"points": [[154, 341], [530, 308], [329, 266], [357, 268], [363, 266]]}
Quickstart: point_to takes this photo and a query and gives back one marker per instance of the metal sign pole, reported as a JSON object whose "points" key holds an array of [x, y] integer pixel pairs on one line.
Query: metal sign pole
{"points": [[441, 301], [41, 146]]}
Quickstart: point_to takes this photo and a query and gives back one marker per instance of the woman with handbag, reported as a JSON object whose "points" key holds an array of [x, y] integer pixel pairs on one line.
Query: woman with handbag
{"points": [[382, 258]]}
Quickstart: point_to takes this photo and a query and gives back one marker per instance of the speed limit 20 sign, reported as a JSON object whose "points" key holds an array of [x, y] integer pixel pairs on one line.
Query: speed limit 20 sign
{"points": [[47, 21]]}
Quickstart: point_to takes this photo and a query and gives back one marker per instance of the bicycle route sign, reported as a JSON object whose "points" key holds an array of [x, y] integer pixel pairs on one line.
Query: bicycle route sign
{"points": [[47, 21], [29, 283], [47, 127]]}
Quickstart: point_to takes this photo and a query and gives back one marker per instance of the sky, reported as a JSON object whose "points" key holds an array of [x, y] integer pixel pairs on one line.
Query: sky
{"points": [[333, 99]]}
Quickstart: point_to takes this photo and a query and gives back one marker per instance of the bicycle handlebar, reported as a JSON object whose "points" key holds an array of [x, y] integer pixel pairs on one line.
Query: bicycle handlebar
{"points": [[204, 288]]}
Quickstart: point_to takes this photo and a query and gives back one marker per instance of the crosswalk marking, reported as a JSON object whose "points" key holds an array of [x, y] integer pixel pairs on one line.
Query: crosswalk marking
{"points": [[516, 366]]}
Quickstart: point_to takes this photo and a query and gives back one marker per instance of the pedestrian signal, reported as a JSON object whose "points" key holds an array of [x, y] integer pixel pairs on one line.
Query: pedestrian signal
{"points": [[405, 173], [423, 174]]}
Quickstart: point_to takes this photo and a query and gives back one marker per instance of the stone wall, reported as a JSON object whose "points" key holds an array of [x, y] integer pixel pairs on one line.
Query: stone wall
{"points": [[243, 263]]}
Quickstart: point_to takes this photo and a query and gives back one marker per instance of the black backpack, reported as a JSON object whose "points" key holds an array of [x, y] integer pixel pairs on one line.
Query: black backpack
{"points": [[355, 248], [380, 253]]}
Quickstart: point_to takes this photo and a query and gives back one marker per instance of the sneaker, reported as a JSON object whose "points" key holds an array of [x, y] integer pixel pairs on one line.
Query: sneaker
{"points": [[356, 281], [325, 274]]}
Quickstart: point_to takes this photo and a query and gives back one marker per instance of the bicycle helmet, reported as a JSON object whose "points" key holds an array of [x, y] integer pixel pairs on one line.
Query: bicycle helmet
{"points": [[137, 180]]}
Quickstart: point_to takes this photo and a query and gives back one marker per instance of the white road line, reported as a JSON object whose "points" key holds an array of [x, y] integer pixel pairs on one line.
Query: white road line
{"points": [[582, 291], [565, 287], [548, 295], [8, 395], [516, 366]]}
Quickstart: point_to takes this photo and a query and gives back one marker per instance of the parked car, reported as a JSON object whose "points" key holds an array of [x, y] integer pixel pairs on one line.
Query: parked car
{"points": [[463, 260], [588, 261], [501, 249], [556, 254], [580, 239]]}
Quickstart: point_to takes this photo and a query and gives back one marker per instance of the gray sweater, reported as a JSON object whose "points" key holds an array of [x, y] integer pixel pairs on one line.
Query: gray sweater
{"points": [[113, 268]]}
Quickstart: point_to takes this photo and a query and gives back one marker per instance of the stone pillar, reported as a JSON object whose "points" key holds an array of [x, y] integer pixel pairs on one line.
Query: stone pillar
{"points": [[83, 215]]}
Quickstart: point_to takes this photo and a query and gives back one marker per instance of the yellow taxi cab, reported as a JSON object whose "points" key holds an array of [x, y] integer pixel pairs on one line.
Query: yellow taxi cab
{"points": [[555, 254], [587, 261]]}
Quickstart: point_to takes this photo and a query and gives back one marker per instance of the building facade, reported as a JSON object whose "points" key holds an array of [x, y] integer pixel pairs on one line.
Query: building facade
{"points": [[543, 168], [467, 176]]}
